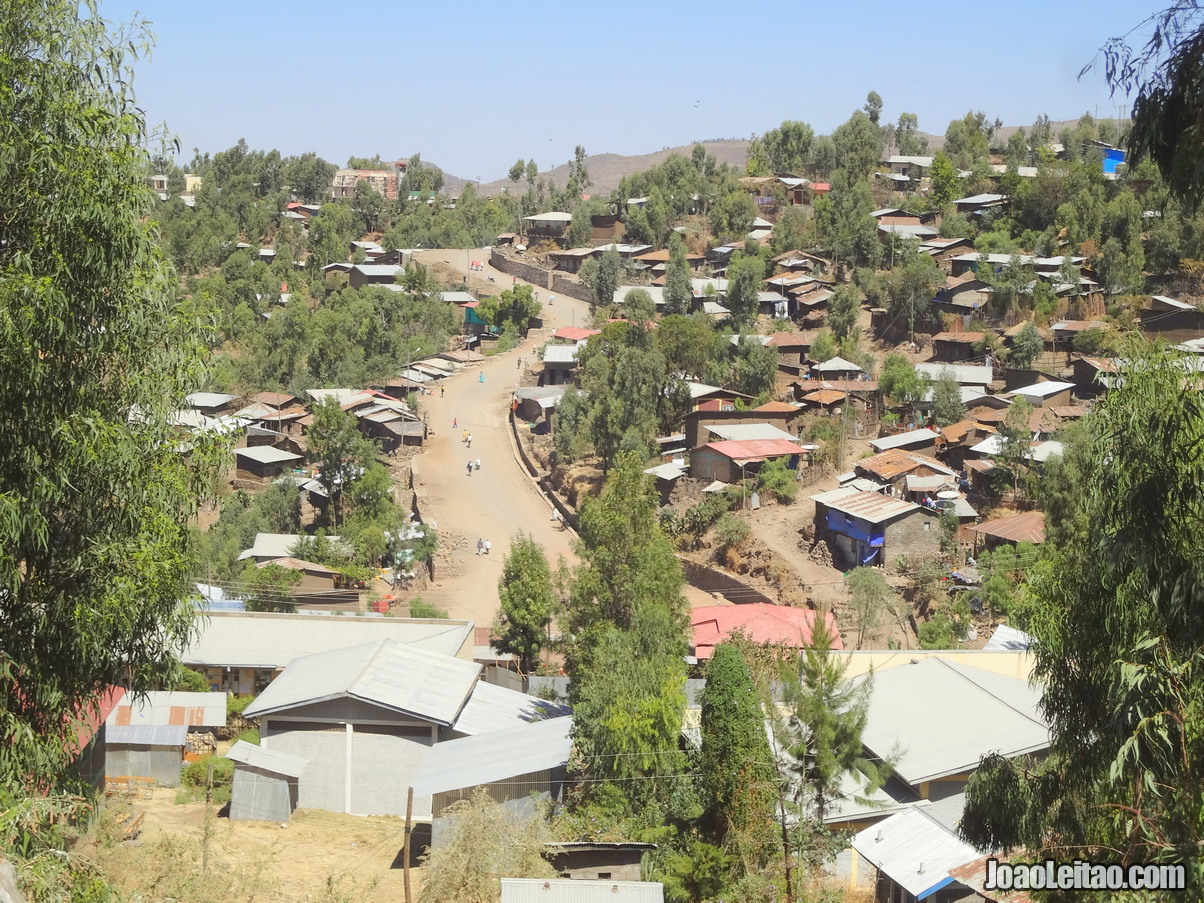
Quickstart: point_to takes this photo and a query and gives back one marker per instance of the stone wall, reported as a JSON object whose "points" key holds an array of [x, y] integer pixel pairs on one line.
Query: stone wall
{"points": [[711, 580], [554, 282], [908, 536]]}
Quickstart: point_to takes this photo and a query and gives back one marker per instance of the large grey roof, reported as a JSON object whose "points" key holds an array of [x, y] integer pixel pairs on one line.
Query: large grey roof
{"points": [[942, 718], [485, 758], [388, 674], [267, 759], [965, 374], [146, 734], [256, 640], [491, 708]]}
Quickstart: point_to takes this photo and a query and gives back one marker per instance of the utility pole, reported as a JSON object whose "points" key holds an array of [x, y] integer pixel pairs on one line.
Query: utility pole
{"points": [[208, 828], [405, 849]]}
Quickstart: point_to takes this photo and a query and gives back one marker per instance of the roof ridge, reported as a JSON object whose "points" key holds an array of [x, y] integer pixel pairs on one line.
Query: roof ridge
{"points": [[998, 699]]}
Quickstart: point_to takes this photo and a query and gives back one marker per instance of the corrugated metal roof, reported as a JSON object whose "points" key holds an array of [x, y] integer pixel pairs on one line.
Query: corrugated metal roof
{"points": [[942, 718], [578, 890], [495, 756], [266, 454], [389, 674], [872, 507], [259, 640], [209, 399], [492, 708], [275, 545], [742, 432], [146, 734], [268, 759], [756, 449], [561, 354], [966, 374], [1008, 639], [894, 463], [666, 471], [915, 850], [837, 365], [900, 439], [159, 707]]}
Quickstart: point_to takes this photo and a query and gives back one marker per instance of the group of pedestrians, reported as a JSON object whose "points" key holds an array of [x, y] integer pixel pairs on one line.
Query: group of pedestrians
{"points": [[483, 546]]}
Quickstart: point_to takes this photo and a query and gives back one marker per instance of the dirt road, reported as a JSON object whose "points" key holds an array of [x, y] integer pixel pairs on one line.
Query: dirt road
{"points": [[499, 499]]}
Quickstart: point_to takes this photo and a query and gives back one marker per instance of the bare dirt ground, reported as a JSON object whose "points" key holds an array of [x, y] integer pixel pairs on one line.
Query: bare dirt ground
{"points": [[319, 856]]}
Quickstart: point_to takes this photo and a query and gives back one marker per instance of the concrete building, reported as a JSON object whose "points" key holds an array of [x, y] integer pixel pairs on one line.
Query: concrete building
{"points": [[365, 719], [265, 783], [263, 463], [597, 861]]}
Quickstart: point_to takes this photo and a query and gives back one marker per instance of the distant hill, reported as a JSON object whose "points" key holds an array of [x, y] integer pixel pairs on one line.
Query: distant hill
{"points": [[607, 170]]}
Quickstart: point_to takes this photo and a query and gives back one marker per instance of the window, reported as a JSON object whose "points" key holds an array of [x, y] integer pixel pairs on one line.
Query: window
{"points": [[604, 876]]}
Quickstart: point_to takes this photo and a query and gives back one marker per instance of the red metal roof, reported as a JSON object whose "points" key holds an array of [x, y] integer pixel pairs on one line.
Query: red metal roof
{"points": [[760, 622], [755, 449], [574, 333]]}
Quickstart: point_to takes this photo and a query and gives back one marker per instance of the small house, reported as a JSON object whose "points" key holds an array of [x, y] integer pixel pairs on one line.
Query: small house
{"points": [[920, 440], [891, 467], [979, 204], [730, 461], [559, 364], [836, 368], [869, 528], [952, 347], [263, 463], [597, 861], [1028, 526], [374, 274], [145, 751], [265, 783], [552, 226]]}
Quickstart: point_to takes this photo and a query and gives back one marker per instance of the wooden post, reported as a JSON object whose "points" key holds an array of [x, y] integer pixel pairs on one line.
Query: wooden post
{"points": [[405, 849]]}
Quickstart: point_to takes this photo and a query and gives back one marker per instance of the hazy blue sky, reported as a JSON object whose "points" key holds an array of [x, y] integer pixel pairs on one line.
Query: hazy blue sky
{"points": [[474, 86]]}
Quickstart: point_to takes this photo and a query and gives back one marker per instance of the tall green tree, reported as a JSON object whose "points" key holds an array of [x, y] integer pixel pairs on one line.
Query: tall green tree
{"points": [[339, 449], [899, 380], [947, 407], [737, 775], [604, 281], [845, 225], [820, 733], [788, 147], [1117, 615], [744, 275], [678, 293], [843, 308], [858, 145], [1027, 346], [96, 351], [528, 601], [626, 621]]}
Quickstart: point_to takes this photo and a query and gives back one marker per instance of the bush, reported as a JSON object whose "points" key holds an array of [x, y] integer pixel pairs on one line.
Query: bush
{"points": [[236, 704], [731, 530], [196, 775], [420, 609], [777, 480]]}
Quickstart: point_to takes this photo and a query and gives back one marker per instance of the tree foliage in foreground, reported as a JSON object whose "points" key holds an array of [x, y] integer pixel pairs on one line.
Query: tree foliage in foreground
{"points": [[528, 601], [484, 845], [95, 352], [1117, 610]]}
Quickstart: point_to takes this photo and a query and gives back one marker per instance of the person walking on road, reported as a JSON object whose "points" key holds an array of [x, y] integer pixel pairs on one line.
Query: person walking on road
{"points": [[488, 546], [442, 391], [478, 467], [455, 422], [464, 436], [470, 468], [480, 546], [482, 377], [469, 440]]}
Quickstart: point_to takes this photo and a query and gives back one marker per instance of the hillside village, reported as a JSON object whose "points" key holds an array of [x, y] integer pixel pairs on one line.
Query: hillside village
{"points": [[688, 542]]}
